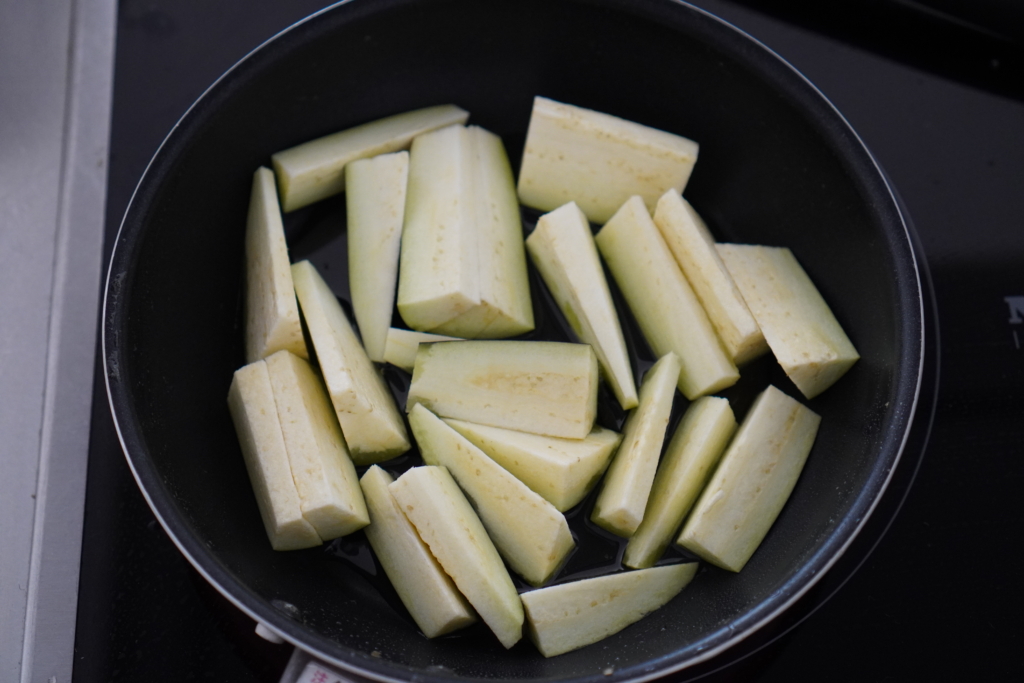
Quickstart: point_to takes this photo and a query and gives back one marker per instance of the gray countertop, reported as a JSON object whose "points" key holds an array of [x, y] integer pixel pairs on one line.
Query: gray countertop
{"points": [[56, 71]]}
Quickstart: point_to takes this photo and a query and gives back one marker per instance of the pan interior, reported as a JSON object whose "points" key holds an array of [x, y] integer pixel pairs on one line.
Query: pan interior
{"points": [[777, 166]]}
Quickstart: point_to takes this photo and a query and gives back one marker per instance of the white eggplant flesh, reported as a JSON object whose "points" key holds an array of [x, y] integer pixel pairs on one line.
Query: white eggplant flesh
{"points": [[401, 346], [254, 412], [271, 313], [429, 594], [505, 308], [438, 275], [463, 264], [562, 248], [562, 471], [691, 243], [598, 160], [370, 420], [665, 307], [315, 170], [689, 460], [375, 205], [527, 530], [323, 472], [571, 615], [620, 506], [752, 482], [444, 519], [798, 324], [547, 388]]}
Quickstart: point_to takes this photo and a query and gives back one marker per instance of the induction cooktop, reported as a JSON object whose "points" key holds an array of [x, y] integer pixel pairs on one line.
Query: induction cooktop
{"points": [[928, 587]]}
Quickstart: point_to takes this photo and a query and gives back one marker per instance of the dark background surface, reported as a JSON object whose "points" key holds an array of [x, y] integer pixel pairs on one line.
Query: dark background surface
{"points": [[938, 100]]}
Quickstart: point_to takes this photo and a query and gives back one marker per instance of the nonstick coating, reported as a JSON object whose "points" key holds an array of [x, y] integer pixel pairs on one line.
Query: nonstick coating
{"points": [[777, 166]]}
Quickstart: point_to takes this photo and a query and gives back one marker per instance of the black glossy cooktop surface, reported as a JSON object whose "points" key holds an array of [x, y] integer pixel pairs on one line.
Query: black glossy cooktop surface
{"points": [[937, 597]]}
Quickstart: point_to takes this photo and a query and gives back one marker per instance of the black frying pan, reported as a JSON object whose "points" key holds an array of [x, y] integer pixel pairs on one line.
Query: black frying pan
{"points": [[778, 165]]}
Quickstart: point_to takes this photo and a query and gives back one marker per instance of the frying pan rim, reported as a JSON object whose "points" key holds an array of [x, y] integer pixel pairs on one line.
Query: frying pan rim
{"points": [[261, 612]]}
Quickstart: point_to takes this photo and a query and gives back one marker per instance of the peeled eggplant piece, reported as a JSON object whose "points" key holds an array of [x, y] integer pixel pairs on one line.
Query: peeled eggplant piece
{"points": [[539, 387], [694, 249], [527, 530], [463, 265], [315, 170], [438, 275], [562, 471], [324, 476], [429, 594], [598, 160], [666, 309], [271, 313], [401, 346], [689, 460], [444, 519], [570, 615], [505, 308], [375, 204], [254, 412], [753, 481], [620, 506], [801, 330], [370, 420], [562, 249]]}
